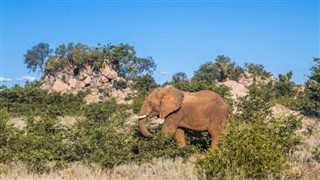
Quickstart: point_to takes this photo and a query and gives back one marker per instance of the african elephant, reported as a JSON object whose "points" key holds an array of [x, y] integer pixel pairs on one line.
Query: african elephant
{"points": [[200, 111]]}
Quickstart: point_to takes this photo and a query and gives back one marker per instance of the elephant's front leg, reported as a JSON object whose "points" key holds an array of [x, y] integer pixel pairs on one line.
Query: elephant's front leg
{"points": [[180, 137], [169, 128]]}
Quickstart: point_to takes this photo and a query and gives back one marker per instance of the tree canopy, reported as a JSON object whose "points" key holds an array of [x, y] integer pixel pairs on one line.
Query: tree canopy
{"points": [[179, 76], [121, 57], [36, 57], [219, 70], [312, 94]]}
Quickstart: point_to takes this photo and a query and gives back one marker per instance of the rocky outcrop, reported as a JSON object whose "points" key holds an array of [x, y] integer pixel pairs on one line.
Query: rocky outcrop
{"points": [[279, 110], [60, 86], [75, 79], [237, 89]]}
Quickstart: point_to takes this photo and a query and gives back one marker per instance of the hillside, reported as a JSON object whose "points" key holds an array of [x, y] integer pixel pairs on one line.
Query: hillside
{"points": [[80, 122], [104, 83]]}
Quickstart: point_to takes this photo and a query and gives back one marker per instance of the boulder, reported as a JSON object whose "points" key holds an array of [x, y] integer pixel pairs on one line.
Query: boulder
{"points": [[93, 97], [88, 69], [121, 101], [87, 81], [127, 91], [245, 81], [72, 83], [60, 86], [83, 76], [112, 75], [120, 94], [46, 87], [82, 84], [104, 79], [237, 89], [280, 110], [105, 71], [47, 78]]}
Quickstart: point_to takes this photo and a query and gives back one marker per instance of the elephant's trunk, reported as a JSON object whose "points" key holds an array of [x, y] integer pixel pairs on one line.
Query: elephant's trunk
{"points": [[144, 113], [143, 128]]}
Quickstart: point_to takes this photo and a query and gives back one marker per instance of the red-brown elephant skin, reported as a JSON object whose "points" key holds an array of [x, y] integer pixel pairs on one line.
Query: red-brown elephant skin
{"points": [[200, 111]]}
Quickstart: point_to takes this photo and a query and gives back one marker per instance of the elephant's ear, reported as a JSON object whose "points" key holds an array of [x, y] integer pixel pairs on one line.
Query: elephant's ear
{"points": [[171, 101]]}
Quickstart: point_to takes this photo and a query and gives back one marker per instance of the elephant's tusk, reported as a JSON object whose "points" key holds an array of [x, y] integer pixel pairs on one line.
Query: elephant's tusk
{"points": [[141, 117]]}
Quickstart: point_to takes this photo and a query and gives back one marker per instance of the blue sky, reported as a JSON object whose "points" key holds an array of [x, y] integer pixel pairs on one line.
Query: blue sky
{"points": [[178, 35]]}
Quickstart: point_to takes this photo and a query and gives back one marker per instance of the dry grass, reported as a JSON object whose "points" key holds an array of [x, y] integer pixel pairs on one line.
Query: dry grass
{"points": [[305, 166], [157, 169]]}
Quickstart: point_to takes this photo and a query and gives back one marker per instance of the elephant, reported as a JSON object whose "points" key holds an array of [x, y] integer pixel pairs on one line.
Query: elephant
{"points": [[200, 111]]}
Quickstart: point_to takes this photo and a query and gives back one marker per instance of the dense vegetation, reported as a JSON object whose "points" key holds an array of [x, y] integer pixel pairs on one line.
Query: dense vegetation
{"points": [[121, 57], [257, 145]]}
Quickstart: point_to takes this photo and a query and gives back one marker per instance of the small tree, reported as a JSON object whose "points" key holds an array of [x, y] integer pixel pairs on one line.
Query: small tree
{"points": [[285, 87], [311, 98], [126, 63], [179, 76], [256, 69], [207, 72], [144, 83], [36, 57], [219, 70]]}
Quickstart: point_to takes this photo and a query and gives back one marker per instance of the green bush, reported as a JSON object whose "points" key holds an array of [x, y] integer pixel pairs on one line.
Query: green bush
{"points": [[309, 99], [257, 70], [32, 100], [121, 84], [42, 142], [138, 101], [6, 136], [102, 111], [252, 150], [256, 104], [114, 142], [222, 69]]}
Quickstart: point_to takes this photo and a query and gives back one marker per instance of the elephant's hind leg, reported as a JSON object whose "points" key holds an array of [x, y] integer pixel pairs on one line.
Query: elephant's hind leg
{"points": [[180, 137], [215, 135]]}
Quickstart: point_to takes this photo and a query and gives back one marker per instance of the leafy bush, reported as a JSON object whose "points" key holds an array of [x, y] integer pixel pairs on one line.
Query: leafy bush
{"points": [[32, 100], [219, 70], [256, 104], [310, 99], [138, 101], [112, 142], [179, 76], [144, 84], [55, 64], [257, 145], [257, 70], [285, 87], [121, 84], [253, 150], [6, 135], [102, 111], [42, 142]]}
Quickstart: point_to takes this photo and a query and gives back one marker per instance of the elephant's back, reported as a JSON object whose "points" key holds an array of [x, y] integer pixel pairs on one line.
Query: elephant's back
{"points": [[206, 96]]}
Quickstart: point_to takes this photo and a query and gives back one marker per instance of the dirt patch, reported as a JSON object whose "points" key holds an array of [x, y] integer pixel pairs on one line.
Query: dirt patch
{"points": [[17, 123]]}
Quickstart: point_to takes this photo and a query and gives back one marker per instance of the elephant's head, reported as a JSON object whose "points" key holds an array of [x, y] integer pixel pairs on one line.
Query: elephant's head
{"points": [[160, 102]]}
